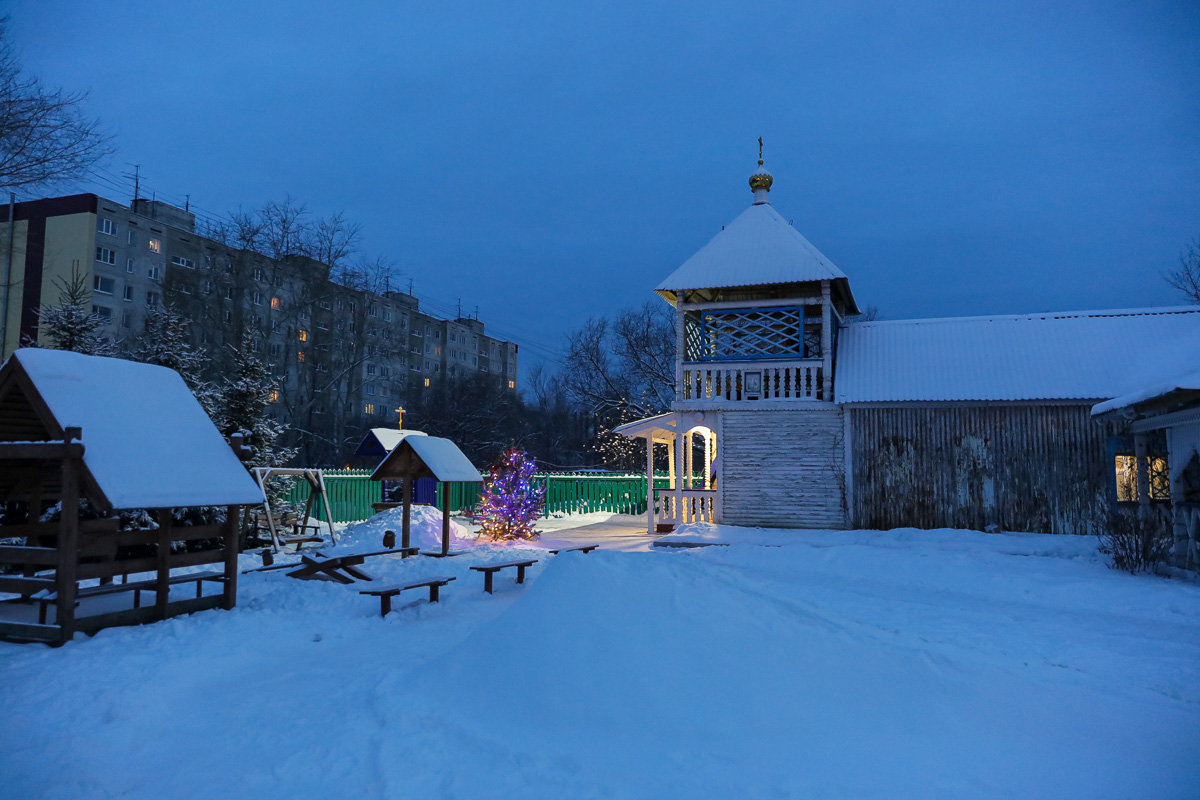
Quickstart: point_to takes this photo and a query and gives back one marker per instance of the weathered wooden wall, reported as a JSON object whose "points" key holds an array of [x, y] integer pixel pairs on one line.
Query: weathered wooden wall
{"points": [[1024, 468], [783, 469]]}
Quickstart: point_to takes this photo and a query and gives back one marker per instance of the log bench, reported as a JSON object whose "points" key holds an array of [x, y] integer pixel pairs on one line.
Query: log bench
{"points": [[137, 587], [386, 593], [583, 548], [489, 570]]}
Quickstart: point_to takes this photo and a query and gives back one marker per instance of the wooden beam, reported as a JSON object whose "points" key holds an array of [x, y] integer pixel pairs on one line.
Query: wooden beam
{"points": [[445, 518], [229, 596], [68, 539], [406, 496], [40, 451], [162, 559]]}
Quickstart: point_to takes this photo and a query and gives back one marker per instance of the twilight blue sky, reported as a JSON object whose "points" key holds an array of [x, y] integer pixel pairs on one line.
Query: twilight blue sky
{"points": [[551, 161]]}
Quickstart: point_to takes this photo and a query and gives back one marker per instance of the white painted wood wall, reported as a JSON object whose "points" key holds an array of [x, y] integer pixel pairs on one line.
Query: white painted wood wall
{"points": [[783, 469]]}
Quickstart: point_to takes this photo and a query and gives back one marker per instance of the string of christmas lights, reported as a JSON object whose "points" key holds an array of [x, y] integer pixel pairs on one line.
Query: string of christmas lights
{"points": [[511, 499]]}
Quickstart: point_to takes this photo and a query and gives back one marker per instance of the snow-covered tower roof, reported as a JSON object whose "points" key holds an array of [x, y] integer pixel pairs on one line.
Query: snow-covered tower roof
{"points": [[758, 248]]}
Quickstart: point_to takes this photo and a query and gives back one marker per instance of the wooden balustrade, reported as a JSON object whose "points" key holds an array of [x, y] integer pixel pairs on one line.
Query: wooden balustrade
{"points": [[699, 505], [753, 381]]}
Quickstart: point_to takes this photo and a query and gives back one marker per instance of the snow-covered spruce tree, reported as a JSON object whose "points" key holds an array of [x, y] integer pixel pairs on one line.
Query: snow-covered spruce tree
{"points": [[511, 499], [241, 404], [70, 324], [166, 344]]}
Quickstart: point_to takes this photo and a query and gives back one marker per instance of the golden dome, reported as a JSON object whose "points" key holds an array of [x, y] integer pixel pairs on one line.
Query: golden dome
{"points": [[761, 179]]}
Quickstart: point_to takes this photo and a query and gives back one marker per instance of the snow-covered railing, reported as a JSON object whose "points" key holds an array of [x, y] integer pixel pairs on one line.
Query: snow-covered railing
{"points": [[752, 381], [697, 506]]}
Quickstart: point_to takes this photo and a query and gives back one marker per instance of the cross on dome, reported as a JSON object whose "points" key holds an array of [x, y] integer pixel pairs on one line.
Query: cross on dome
{"points": [[761, 180]]}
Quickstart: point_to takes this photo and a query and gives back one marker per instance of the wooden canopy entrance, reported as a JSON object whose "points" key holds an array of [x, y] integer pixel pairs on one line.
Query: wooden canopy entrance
{"points": [[417, 457], [122, 457], [689, 497]]}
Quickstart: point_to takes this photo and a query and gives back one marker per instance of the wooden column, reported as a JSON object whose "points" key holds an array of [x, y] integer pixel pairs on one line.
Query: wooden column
{"points": [[68, 536], [229, 598], [406, 498], [680, 344], [649, 482], [162, 558], [679, 437], [1142, 454], [826, 345], [445, 518], [708, 455]]}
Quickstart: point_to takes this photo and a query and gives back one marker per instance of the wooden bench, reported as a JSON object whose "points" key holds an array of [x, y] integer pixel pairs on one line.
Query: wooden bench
{"points": [[489, 570], [386, 593], [137, 587], [583, 548]]}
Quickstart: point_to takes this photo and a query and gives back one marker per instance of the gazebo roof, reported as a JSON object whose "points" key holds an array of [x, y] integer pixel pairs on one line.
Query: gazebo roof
{"points": [[383, 440], [759, 247], [427, 457], [147, 442]]}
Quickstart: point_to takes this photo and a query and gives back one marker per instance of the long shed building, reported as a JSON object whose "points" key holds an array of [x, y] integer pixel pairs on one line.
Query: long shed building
{"points": [[791, 413]]}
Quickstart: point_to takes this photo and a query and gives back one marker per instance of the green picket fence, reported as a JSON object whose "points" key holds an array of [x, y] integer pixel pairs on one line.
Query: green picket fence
{"points": [[352, 493]]}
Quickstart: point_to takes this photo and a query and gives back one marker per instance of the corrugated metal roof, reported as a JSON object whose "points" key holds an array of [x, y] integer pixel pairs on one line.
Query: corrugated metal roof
{"points": [[1188, 382], [1088, 355], [758, 247]]}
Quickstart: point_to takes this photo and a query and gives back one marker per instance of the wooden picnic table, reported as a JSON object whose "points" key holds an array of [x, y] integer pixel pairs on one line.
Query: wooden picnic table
{"points": [[343, 569]]}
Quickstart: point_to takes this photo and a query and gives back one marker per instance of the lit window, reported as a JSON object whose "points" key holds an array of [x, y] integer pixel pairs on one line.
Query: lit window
{"points": [[155, 245], [512, 384], [276, 303], [106, 226], [300, 356], [303, 335], [274, 395], [103, 285], [369, 408], [105, 256], [437, 351], [427, 381], [1127, 479]]}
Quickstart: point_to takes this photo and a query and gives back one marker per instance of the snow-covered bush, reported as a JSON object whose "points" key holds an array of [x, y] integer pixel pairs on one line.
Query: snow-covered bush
{"points": [[1136, 540]]}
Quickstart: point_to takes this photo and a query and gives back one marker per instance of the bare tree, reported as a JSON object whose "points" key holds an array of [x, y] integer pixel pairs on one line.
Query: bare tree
{"points": [[334, 239], [1186, 278], [45, 137], [626, 366]]}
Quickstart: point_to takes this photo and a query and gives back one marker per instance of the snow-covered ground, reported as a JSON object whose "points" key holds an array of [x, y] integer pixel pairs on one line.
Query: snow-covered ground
{"points": [[943, 664]]}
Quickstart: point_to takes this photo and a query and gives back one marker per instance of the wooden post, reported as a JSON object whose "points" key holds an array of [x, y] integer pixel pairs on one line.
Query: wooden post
{"points": [[445, 518], [649, 481], [826, 345], [229, 597], [406, 498], [162, 557], [1142, 453], [68, 539], [679, 436]]}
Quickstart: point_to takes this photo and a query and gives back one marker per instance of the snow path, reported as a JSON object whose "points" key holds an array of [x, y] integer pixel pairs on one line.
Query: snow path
{"points": [[858, 664]]}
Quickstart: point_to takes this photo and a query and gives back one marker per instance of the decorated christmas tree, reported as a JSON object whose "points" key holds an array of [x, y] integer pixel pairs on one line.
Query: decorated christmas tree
{"points": [[511, 498]]}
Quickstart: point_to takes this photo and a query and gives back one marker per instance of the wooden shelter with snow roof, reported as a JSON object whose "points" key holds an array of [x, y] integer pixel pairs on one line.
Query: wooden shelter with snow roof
{"points": [[84, 438], [417, 457], [810, 418]]}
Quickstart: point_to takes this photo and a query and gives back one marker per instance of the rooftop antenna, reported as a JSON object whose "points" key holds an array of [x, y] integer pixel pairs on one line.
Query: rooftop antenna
{"points": [[459, 307], [136, 175], [410, 287], [187, 202], [476, 313]]}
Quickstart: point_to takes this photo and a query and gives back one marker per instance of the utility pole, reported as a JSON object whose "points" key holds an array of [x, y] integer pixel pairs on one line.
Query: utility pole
{"points": [[12, 202]]}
